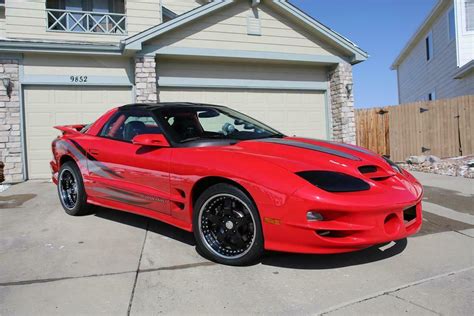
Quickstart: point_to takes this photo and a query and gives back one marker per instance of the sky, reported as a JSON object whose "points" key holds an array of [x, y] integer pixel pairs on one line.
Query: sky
{"points": [[380, 27]]}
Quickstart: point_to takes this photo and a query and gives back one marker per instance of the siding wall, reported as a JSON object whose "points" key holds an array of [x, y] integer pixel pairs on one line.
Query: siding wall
{"points": [[418, 77], [2, 22], [67, 65], [465, 39], [181, 6], [26, 19], [228, 29], [232, 70]]}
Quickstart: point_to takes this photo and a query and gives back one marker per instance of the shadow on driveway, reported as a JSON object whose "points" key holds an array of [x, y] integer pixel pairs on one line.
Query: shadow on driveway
{"points": [[276, 259]]}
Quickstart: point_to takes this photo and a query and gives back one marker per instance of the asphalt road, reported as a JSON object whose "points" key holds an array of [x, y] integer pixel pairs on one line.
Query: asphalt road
{"points": [[119, 263]]}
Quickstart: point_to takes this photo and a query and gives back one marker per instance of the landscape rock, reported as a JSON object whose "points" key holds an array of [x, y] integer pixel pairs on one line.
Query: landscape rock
{"points": [[433, 159], [457, 166], [416, 159]]}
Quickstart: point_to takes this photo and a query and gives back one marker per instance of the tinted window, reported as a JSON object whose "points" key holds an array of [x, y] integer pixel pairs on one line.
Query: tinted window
{"points": [[126, 125]]}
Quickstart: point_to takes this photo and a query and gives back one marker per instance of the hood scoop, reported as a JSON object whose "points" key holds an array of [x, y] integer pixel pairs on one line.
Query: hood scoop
{"points": [[374, 172]]}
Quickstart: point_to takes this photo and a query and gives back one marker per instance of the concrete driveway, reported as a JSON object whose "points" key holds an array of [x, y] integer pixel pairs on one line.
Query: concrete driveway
{"points": [[118, 263]]}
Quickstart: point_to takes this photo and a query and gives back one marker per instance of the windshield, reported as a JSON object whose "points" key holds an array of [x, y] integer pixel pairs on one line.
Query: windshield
{"points": [[195, 123]]}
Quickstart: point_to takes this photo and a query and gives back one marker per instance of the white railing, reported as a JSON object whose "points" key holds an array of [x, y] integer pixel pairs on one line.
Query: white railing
{"points": [[86, 22]]}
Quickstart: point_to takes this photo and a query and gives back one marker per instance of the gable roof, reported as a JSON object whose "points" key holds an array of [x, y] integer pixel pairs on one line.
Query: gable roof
{"points": [[136, 41], [423, 29]]}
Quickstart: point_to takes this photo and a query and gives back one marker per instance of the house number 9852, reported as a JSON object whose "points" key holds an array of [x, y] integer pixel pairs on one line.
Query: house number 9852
{"points": [[78, 79]]}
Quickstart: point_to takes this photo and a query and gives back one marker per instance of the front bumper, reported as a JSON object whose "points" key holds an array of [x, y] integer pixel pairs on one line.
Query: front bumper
{"points": [[350, 223]]}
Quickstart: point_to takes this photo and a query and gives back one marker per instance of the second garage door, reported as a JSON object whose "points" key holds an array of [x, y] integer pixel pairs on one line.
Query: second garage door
{"points": [[301, 113], [48, 106]]}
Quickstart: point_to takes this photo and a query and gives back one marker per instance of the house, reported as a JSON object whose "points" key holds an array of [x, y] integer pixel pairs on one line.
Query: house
{"points": [[68, 61], [437, 62]]}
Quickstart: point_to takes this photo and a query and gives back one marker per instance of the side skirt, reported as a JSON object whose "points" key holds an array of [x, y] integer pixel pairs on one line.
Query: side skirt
{"points": [[140, 211]]}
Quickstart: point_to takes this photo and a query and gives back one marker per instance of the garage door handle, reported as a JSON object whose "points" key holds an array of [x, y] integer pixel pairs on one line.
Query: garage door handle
{"points": [[93, 152]]}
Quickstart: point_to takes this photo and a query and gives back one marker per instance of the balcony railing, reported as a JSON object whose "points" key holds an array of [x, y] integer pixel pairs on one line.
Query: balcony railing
{"points": [[86, 22]]}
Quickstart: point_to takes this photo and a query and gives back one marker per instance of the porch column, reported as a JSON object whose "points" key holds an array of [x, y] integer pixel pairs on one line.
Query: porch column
{"points": [[145, 79], [10, 139], [342, 104]]}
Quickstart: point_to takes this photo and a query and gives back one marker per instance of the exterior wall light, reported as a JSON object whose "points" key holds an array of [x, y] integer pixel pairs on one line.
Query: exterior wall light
{"points": [[7, 83], [349, 87]]}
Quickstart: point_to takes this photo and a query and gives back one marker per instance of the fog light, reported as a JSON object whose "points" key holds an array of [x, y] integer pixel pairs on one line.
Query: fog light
{"points": [[314, 216]]}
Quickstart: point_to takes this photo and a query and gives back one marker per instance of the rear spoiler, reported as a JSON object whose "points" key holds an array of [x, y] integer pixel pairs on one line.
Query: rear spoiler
{"points": [[70, 129]]}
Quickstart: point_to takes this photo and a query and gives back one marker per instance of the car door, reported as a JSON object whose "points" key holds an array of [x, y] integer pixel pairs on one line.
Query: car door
{"points": [[126, 173]]}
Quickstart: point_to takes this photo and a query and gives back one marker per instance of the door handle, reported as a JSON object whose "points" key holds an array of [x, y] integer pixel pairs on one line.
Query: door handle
{"points": [[93, 152]]}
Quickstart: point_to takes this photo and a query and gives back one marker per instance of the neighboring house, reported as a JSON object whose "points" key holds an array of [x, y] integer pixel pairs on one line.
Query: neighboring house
{"points": [[68, 61], [437, 62]]}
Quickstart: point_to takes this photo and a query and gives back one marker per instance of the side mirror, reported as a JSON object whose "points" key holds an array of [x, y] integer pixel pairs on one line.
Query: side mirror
{"points": [[152, 140]]}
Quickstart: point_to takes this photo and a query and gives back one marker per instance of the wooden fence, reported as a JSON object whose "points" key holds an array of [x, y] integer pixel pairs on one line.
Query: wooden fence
{"points": [[444, 128]]}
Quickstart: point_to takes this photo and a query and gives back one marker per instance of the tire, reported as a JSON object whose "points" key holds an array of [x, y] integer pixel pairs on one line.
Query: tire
{"points": [[227, 226], [72, 194]]}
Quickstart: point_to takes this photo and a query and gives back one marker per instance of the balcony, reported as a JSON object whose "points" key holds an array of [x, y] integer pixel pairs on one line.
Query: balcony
{"points": [[86, 22], [86, 16]]}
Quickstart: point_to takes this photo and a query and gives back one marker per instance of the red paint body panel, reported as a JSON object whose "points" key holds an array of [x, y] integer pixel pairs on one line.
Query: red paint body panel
{"points": [[159, 183]]}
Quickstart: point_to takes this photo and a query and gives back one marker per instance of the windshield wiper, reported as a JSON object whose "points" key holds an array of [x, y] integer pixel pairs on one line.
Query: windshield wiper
{"points": [[278, 135]]}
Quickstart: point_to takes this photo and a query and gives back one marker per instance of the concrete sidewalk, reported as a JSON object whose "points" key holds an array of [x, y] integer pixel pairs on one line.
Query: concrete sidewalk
{"points": [[119, 263]]}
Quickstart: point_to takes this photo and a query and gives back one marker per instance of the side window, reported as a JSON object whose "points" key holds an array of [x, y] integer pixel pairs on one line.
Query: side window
{"points": [[429, 46], [126, 125]]}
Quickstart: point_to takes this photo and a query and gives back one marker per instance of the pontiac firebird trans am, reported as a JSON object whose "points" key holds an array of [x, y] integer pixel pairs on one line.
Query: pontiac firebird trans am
{"points": [[237, 184]]}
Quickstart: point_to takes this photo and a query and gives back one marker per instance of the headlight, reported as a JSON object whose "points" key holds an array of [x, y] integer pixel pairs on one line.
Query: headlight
{"points": [[334, 181], [393, 165]]}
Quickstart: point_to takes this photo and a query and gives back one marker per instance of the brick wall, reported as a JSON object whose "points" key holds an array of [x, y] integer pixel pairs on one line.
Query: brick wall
{"points": [[10, 139], [342, 105], [145, 79]]}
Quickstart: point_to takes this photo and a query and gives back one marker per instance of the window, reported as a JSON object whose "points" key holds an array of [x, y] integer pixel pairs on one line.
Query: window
{"points": [[469, 12], [429, 47], [451, 24], [126, 125], [431, 96], [208, 123]]}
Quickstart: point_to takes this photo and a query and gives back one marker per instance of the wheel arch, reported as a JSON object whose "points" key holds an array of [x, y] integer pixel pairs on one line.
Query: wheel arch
{"points": [[66, 158], [204, 183]]}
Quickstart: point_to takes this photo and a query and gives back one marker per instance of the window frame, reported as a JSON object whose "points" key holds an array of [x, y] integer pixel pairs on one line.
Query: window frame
{"points": [[464, 17]]}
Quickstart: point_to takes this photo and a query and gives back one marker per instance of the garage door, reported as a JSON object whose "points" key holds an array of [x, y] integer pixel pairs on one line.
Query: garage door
{"points": [[46, 107], [301, 113]]}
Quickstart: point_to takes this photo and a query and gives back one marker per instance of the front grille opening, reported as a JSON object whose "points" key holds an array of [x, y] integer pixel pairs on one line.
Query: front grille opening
{"points": [[409, 214], [367, 169], [334, 233]]}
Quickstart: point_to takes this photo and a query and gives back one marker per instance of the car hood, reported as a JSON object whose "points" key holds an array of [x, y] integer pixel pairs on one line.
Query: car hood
{"points": [[304, 154]]}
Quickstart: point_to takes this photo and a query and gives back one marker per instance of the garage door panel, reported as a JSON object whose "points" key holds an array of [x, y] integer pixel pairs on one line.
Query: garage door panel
{"points": [[301, 113], [46, 107]]}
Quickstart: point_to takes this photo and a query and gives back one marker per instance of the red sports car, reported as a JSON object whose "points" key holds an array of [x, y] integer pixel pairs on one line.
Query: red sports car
{"points": [[238, 184]]}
